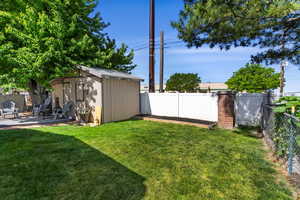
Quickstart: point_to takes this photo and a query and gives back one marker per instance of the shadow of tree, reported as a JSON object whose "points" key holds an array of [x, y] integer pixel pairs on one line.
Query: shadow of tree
{"points": [[41, 165]]}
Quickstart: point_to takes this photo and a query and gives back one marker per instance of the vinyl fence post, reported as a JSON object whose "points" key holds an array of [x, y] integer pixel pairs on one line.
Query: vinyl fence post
{"points": [[178, 107]]}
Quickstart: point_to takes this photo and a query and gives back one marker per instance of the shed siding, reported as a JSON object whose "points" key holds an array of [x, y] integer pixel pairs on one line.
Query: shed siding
{"points": [[121, 99], [117, 99], [57, 92], [65, 90]]}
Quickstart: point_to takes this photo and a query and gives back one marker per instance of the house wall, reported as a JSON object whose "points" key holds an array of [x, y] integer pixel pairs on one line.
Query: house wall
{"points": [[120, 99], [18, 99], [65, 90]]}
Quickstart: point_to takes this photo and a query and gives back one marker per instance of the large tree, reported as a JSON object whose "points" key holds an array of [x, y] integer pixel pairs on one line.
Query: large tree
{"points": [[183, 82], [254, 78], [270, 24], [44, 39]]}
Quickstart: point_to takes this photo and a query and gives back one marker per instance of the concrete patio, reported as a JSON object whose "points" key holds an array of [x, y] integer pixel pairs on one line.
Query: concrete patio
{"points": [[27, 120]]}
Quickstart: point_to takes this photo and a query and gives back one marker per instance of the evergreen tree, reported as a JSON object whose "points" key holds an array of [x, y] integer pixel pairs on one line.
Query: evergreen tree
{"points": [[269, 24]]}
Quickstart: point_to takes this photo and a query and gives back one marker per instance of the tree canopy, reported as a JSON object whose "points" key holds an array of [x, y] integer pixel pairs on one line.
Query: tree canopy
{"points": [[44, 39], [269, 24], [254, 78], [182, 82]]}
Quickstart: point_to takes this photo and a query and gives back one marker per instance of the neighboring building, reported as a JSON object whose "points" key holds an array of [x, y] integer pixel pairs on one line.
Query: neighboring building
{"points": [[107, 95], [18, 99], [203, 87], [145, 88], [296, 94], [212, 87]]}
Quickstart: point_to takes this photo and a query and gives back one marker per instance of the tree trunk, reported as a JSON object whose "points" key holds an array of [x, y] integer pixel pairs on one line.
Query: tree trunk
{"points": [[37, 93]]}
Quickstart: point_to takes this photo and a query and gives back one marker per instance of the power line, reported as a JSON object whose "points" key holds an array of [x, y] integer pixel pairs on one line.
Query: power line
{"points": [[144, 46], [170, 44], [142, 42]]}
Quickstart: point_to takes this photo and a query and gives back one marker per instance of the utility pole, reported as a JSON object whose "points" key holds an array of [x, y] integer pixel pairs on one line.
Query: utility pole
{"points": [[152, 47], [162, 60], [283, 65]]}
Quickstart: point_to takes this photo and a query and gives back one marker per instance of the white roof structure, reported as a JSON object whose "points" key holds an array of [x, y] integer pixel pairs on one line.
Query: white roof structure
{"points": [[104, 73], [213, 86]]}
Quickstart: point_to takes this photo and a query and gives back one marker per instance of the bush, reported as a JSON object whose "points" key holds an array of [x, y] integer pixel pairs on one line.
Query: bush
{"points": [[287, 103]]}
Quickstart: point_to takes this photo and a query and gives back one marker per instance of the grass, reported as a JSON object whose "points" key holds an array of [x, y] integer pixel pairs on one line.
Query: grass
{"points": [[136, 160]]}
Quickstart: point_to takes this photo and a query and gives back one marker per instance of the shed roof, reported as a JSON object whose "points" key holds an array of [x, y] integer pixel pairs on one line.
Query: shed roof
{"points": [[103, 73]]}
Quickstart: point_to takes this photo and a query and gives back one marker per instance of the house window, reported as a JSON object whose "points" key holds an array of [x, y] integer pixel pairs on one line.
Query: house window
{"points": [[79, 92]]}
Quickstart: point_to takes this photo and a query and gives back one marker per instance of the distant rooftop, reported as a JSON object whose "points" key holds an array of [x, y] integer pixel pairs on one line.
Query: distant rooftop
{"points": [[213, 86], [202, 86]]}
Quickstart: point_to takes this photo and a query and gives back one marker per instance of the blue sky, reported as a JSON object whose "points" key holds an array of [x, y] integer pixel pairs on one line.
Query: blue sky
{"points": [[130, 24]]}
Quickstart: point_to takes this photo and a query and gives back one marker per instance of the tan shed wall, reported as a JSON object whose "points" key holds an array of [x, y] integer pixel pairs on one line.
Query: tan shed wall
{"points": [[120, 99], [57, 92], [65, 90]]}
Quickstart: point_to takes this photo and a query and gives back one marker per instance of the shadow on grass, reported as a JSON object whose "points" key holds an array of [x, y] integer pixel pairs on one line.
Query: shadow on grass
{"points": [[40, 165], [249, 131]]}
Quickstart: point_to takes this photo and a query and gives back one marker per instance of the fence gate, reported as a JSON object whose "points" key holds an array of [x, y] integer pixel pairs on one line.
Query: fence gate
{"points": [[248, 108]]}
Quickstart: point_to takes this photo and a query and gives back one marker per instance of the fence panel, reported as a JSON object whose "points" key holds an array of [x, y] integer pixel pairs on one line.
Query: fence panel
{"points": [[182, 105], [198, 106], [248, 108], [160, 104]]}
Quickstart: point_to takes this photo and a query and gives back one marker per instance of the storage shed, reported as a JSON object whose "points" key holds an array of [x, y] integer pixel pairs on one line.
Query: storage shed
{"points": [[104, 95]]}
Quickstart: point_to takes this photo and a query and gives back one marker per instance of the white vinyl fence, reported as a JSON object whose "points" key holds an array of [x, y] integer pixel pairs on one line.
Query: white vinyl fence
{"points": [[183, 105], [248, 108]]}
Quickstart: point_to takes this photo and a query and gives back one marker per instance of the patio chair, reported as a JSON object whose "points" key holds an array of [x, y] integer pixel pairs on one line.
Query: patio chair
{"points": [[45, 108], [9, 108], [66, 112]]}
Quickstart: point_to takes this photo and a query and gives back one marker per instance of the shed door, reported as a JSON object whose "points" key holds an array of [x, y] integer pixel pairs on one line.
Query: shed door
{"points": [[121, 99], [67, 92]]}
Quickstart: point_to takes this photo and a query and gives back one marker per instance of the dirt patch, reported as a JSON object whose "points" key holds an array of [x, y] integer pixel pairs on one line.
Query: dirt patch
{"points": [[175, 120]]}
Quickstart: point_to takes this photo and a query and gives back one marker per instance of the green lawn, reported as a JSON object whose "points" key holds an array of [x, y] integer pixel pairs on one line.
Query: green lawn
{"points": [[135, 160]]}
